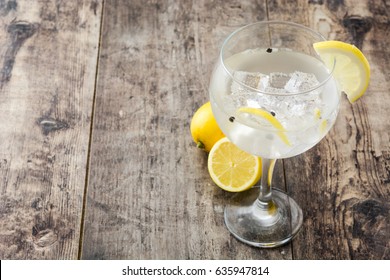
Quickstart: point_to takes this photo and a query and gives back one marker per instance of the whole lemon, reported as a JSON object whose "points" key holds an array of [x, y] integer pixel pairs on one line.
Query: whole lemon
{"points": [[204, 128]]}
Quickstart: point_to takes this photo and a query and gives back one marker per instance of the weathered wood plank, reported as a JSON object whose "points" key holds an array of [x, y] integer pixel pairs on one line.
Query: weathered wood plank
{"points": [[48, 56], [149, 193], [344, 182]]}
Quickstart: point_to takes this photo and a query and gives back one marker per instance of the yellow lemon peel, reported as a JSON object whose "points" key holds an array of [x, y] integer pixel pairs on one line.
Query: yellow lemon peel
{"points": [[351, 70], [269, 118]]}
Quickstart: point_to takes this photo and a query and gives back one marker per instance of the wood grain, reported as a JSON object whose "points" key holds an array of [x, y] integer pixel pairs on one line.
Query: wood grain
{"points": [[115, 174], [345, 185], [149, 194], [47, 73]]}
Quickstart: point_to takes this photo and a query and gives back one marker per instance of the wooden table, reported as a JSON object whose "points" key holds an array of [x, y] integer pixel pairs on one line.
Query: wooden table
{"points": [[96, 156]]}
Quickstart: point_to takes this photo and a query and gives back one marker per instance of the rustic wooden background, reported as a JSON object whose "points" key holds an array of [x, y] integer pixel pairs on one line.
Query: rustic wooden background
{"points": [[96, 157]]}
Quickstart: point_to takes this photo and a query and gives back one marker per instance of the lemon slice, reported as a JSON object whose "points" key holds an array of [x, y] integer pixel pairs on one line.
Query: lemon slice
{"points": [[231, 168], [324, 123], [352, 69], [317, 113], [267, 116]]}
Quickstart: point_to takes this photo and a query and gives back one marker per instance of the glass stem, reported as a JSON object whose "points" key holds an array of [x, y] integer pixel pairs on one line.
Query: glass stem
{"points": [[265, 196]]}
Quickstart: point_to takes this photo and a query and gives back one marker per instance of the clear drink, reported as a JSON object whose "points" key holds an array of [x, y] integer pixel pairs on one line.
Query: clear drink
{"points": [[269, 80]]}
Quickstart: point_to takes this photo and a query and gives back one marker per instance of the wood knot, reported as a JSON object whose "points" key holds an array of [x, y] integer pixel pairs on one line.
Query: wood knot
{"points": [[50, 125], [371, 220], [371, 210], [45, 238], [357, 26], [49, 227], [37, 204], [316, 2], [21, 30]]}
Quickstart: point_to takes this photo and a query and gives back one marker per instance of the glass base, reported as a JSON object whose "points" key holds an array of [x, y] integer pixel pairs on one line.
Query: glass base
{"points": [[263, 225]]}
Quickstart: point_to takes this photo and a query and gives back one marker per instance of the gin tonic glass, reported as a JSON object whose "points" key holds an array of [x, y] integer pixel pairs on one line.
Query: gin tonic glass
{"points": [[273, 97]]}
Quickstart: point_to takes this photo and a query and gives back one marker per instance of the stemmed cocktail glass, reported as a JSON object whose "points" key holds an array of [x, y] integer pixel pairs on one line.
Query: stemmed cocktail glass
{"points": [[273, 97]]}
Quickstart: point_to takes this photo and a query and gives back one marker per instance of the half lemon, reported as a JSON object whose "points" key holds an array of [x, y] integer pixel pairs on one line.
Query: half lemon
{"points": [[231, 168]]}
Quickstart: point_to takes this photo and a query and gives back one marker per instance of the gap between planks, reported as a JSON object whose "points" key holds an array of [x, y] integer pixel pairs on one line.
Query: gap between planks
{"points": [[81, 236]]}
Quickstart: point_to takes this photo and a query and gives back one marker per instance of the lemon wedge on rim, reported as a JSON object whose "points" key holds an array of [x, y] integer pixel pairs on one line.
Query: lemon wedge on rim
{"points": [[269, 118], [231, 168], [352, 69]]}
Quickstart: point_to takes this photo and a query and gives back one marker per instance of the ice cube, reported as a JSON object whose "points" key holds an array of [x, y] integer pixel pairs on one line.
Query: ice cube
{"points": [[297, 108], [279, 80], [263, 83], [300, 81], [251, 79]]}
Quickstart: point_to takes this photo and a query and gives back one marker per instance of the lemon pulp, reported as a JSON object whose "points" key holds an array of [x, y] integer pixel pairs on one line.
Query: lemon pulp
{"points": [[231, 168]]}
